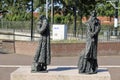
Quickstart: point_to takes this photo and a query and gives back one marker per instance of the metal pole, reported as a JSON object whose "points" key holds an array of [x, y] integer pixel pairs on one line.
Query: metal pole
{"points": [[32, 21], [116, 18], [47, 9], [74, 9], [52, 12]]}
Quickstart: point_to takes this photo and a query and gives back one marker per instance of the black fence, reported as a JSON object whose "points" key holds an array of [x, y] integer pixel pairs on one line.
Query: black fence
{"points": [[23, 29]]}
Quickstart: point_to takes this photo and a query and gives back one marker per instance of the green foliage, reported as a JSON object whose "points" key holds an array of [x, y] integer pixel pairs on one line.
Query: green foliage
{"points": [[58, 19], [68, 19], [105, 9], [61, 19], [16, 10]]}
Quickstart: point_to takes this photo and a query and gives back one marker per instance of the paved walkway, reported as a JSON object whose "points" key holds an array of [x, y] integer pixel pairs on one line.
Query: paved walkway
{"points": [[10, 62]]}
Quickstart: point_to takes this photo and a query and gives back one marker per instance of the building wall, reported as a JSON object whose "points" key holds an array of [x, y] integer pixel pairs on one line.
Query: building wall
{"points": [[64, 49], [104, 20]]}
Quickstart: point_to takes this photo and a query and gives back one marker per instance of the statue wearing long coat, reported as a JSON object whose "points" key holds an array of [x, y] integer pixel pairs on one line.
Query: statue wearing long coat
{"points": [[42, 57], [88, 60]]}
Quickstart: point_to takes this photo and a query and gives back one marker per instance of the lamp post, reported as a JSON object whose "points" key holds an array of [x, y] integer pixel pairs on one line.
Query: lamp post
{"points": [[52, 12], [32, 20], [74, 9], [116, 18], [47, 9]]}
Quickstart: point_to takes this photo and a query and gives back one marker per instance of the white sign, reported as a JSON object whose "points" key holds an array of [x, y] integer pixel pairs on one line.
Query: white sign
{"points": [[59, 32], [115, 22]]}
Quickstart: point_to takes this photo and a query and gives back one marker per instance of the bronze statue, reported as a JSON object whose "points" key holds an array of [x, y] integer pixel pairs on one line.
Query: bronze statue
{"points": [[42, 57], [88, 60]]}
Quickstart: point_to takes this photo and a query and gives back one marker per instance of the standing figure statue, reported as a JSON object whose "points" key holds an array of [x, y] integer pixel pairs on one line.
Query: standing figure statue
{"points": [[42, 57], [88, 60]]}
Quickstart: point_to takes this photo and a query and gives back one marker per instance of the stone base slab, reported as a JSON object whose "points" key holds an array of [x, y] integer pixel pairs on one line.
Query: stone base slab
{"points": [[59, 73]]}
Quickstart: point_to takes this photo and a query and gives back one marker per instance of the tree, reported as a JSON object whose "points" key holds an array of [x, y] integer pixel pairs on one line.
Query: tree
{"points": [[16, 9], [71, 5], [105, 9], [39, 4], [83, 7]]}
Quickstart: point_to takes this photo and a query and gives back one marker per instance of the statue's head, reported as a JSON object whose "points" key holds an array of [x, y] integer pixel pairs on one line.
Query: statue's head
{"points": [[42, 17], [94, 13]]}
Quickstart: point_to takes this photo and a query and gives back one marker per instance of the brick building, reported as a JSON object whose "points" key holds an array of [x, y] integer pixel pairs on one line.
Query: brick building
{"points": [[104, 20]]}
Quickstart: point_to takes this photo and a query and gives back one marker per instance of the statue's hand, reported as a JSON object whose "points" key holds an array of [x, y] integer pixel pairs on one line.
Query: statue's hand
{"points": [[91, 34]]}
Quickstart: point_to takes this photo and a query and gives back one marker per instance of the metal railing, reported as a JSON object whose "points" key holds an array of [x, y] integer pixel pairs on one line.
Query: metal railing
{"points": [[21, 29]]}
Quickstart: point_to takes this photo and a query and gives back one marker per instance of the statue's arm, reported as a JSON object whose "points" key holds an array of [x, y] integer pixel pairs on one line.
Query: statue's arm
{"points": [[98, 28], [38, 26], [89, 31], [43, 26]]}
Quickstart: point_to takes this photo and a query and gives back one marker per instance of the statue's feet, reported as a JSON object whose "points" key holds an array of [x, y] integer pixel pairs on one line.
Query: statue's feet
{"points": [[39, 67], [95, 72], [85, 72], [42, 67], [34, 67], [36, 71], [43, 71]]}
